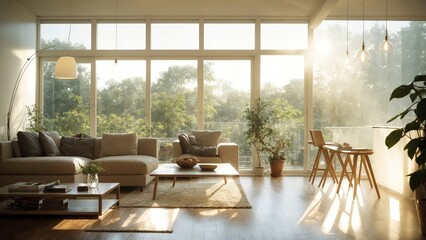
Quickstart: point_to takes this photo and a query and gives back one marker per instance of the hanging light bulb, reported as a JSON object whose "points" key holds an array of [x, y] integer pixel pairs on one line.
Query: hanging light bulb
{"points": [[386, 46], [363, 54]]}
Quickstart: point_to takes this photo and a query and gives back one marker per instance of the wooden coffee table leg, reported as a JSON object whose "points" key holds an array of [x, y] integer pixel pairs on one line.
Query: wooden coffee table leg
{"points": [[225, 180], [174, 181], [155, 187]]}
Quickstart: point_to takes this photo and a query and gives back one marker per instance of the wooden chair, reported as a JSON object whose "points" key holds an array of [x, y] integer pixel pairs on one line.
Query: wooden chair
{"points": [[318, 141]]}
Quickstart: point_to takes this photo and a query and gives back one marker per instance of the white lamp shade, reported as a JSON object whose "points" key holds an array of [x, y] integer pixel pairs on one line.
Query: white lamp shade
{"points": [[66, 68]]}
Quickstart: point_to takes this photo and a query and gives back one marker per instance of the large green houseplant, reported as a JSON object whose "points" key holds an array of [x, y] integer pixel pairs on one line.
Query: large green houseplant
{"points": [[415, 132], [261, 133]]}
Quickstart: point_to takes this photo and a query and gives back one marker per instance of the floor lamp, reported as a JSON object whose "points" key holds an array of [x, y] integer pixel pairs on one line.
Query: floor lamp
{"points": [[18, 81]]}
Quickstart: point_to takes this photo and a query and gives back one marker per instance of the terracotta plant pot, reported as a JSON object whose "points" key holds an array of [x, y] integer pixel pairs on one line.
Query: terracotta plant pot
{"points": [[421, 207], [276, 168]]}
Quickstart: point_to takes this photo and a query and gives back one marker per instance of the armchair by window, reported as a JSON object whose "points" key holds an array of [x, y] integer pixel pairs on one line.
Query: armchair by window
{"points": [[207, 147]]}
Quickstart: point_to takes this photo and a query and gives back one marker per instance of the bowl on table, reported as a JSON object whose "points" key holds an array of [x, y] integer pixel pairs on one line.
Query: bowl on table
{"points": [[208, 167], [186, 162]]}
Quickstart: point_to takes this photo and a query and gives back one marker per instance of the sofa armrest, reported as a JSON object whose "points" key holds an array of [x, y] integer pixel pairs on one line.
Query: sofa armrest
{"points": [[228, 152], [6, 150], [148, 146], [176, 149]]}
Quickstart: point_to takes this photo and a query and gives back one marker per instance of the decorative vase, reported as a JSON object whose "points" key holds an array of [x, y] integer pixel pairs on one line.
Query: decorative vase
{"points": [[276, 168], [92, 180]]}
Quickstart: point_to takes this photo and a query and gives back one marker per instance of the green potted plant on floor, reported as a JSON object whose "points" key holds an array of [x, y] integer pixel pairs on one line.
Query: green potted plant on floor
{"points": [[261, 133], [415, 132], [275, 148]]}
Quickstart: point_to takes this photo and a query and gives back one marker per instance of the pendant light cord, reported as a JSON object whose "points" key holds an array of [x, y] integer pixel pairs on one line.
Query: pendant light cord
{"points": [[116, 31], [363, 20], [347, 27], [69, 32]]}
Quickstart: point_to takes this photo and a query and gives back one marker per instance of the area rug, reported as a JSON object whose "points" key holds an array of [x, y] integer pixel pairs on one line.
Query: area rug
{"points": [[189, 194], [156, 220]]}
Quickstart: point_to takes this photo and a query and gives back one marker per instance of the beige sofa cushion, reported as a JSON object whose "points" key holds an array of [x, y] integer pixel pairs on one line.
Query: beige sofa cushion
{"points": [[128, 164], [207, 138], [56, 165], [118, 145]]}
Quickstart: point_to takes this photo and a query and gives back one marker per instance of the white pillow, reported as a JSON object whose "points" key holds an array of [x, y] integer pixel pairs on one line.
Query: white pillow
{"points": [[207, 138], [118, 144]]}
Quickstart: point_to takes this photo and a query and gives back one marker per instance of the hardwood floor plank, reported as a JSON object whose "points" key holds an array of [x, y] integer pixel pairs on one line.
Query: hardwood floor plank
{"points": [[282, 208]]}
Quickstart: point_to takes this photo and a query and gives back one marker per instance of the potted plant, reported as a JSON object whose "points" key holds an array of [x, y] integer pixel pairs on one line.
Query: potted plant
{"points": [[275, 149], [415, 132], [261, 119], [91, 170]]}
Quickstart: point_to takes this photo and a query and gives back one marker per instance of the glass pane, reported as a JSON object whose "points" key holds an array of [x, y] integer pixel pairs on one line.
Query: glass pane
{"points": [[173, 101], [130, 36], [174, 36], [282, 82], [349, 96], [229, 36], [121, 93], [226, 92], [56, 34], [284, 36], [66, 103]]}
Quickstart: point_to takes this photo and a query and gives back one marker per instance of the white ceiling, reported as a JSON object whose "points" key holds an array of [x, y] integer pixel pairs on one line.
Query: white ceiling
{"points": [[288, 9]]}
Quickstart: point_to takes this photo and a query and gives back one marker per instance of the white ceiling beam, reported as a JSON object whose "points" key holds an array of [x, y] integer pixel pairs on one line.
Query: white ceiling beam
{"points": [[323, 8]]}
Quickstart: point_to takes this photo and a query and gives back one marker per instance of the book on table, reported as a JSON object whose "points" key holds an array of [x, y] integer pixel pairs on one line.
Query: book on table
{"points": [[54, 204], [57, 188], [30, 186]]}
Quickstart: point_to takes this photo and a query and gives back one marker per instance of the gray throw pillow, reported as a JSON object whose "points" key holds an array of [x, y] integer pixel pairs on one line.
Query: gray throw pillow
{"points": [[29, 144], [184, 141], [202, 151], [80, 147], [48, 144]]}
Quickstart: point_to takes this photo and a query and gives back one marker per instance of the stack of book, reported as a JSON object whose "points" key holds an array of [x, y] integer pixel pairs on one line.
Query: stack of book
{"points": [[54, 204], [26, 203], [30, 186], [57, 189]]}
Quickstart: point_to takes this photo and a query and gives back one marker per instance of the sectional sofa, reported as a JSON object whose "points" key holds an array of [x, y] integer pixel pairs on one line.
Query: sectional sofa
{"points": [[126, 159]]}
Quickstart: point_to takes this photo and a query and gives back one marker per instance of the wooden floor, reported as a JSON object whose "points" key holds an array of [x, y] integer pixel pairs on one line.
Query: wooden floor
{"points": [[282, 208]]}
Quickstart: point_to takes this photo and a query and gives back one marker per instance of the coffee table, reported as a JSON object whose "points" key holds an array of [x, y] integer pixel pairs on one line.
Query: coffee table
{"points": [[172, 170], [91, 202]]}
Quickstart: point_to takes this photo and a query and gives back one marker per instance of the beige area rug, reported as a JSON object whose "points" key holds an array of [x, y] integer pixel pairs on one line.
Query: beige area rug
{"points": [[156, 220], [190, 194]]}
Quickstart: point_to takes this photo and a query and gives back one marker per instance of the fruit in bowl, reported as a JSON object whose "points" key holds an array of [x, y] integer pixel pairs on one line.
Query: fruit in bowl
{"points": [[186, 162]]}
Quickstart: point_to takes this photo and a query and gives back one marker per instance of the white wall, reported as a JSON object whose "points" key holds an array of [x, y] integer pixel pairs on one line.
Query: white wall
{"points": [[18, 28], [391, 166]]}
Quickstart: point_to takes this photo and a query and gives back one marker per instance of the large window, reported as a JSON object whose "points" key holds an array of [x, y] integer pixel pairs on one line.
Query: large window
{"points": [[349, 97], [173, 101], [236, 36], [226, 92], [57, 35], [66, 103], [166, 36], [284, 36], [121, 96], [121, 36], [282, 82]]}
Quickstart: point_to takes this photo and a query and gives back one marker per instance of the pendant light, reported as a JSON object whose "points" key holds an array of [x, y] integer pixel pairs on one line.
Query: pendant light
{"points": [[386, 46], [363, 54], [66, 67]]}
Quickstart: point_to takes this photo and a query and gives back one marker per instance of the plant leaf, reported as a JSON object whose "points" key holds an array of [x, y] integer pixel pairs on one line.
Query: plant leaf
{"points": [[414, 125], [421, 159], [421, 110], [420, 78], [401, 91], [412, 146], [417, 178], [394, 137]]}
